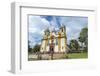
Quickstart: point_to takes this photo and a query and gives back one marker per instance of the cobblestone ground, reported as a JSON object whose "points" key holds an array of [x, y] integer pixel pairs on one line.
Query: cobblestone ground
{"points": [[45, 56]]}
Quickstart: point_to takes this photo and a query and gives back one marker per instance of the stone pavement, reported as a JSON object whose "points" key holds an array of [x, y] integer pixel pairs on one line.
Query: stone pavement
{"points": [[46, 56]]}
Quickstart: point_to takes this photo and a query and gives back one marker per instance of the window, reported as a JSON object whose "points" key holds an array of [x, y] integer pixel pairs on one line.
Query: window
{"points": [[62, 29], [42, 48]]}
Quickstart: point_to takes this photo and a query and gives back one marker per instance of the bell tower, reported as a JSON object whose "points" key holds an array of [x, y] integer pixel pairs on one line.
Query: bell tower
{"points": [[63, 39]]}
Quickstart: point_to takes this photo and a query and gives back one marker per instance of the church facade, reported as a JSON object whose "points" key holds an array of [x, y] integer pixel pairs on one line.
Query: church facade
{"points": [[54, 41]]}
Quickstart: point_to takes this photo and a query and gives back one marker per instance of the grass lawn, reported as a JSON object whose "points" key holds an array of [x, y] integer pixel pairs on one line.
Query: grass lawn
{"points": [[77, 55]]}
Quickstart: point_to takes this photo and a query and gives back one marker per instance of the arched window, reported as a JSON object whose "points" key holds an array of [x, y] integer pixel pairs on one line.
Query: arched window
{"points": [[42, 48], [62, 29]]}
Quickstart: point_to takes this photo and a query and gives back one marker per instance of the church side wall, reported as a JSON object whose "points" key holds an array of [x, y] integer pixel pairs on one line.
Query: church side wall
{"points": [[42, 46], [56, 46], [63, 45]]}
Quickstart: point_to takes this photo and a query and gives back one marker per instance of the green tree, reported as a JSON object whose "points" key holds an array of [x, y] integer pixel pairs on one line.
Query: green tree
{"points": [[83, 38], [29, 48], [74, 45], [36, 48]]}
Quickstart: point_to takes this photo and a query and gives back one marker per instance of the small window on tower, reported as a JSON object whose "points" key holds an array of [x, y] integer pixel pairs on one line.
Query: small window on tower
{"points": [[62, 30]]}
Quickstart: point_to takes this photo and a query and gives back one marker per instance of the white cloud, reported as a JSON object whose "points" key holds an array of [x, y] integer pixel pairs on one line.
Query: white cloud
{"points": [[45, 22], [37, 24], [73, 25]]}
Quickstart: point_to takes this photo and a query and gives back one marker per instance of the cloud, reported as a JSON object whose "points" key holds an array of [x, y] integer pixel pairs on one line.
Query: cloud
{"points": [[38, 22], [36, 29], [74, 26], [37, 25]]}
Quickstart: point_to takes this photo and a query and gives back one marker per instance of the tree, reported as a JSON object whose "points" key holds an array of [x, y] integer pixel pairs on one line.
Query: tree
{"points": [[29, 48], [83, 38], [74, 45], [36, 48]]}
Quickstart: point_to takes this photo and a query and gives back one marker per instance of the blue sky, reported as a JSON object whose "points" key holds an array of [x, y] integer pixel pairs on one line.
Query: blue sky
{"points": [[37, 25]]}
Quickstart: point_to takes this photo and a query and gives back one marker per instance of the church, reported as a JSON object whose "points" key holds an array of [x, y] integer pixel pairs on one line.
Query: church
{"points": [[54, 41]]}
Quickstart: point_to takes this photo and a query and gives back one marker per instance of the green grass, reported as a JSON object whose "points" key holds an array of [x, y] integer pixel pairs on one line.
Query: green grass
{"points": [[77, 55]]}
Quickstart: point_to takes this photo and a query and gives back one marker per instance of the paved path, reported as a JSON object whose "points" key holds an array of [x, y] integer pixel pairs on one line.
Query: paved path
{"points": [[46, 56]]}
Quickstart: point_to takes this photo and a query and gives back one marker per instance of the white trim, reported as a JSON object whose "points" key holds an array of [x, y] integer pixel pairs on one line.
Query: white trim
{"points": [[15, 52], [16, 62]]}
